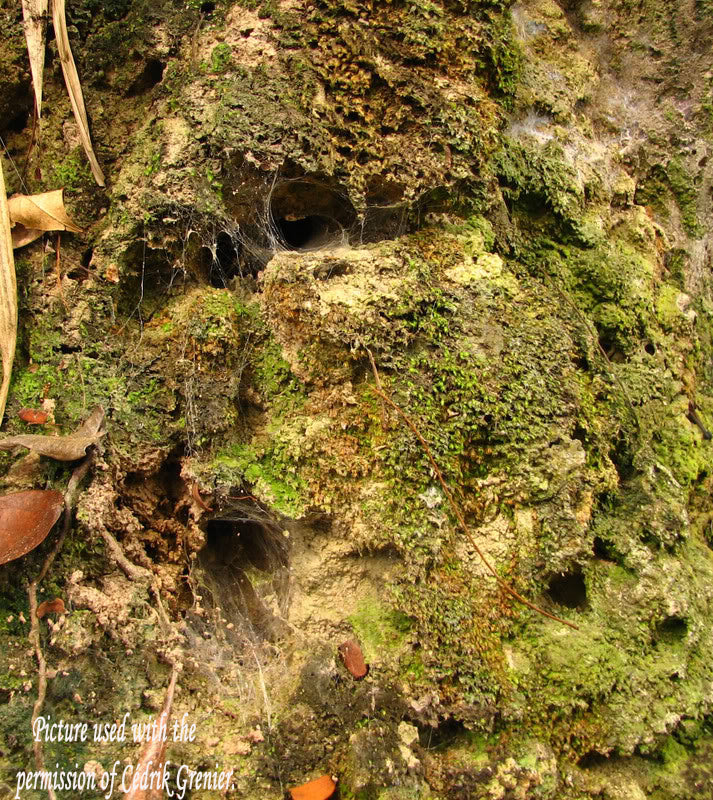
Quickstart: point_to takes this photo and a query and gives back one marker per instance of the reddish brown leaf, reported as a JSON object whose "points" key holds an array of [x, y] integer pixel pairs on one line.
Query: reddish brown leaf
{"points": [[33, 416], [353, 658], [55, 606], [25, 520], [319, 789]]}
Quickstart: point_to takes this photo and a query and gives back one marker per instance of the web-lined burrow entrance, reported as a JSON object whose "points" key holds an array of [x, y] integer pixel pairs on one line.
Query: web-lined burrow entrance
{"points": [[240, 579], [292, 211]]}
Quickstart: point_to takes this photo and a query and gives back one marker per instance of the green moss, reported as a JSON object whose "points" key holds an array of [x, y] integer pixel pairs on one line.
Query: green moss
{"points": [[535, 176], [379, 628], [271, 474], [221, 58], [72, 173], [673, 754], [668, 312], [686, 194], [674, 179]]}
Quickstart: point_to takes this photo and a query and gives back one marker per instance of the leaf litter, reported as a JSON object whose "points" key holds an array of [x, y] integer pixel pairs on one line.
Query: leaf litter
{"points": [[62, 448]]}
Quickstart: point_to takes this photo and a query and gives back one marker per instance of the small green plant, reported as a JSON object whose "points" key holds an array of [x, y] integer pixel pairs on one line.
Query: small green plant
{"points": [[153, 164], [221, 58], [71, 172]]}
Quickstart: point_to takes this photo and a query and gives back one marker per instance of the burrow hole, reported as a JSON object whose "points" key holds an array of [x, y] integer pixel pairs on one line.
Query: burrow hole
{"points": [[309, 215], [568, 589], [243, 572], [592, 760], [150, 75], [672, 629]]}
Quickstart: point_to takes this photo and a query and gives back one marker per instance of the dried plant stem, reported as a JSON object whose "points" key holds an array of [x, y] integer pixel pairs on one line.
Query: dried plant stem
{"points": [[34, 635], [8, 297], [136, 573], [74, 87], [454, 507], [131, 571], [34, 13]]}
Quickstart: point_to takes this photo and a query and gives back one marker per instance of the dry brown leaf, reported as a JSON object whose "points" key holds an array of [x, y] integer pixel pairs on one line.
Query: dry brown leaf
{"points": [[8, 297], [55, 606], [22, 235], [154, 751], [319, 789], [74, 87], [61, 448], [33, 416], [34, 13], [92, 425], [42, 212], [353, 659], [25, 520]]}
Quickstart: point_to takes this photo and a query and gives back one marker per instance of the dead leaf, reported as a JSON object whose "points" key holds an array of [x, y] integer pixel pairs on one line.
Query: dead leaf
{"points": [[154, 751], [25, 520], [319, 789], [93, 424], [34, 13], [353, 659], [55, 606], [33, 416], [255, 735], [22, 236], [39, 212], [61, 448], [8, 297], [74, 87]]}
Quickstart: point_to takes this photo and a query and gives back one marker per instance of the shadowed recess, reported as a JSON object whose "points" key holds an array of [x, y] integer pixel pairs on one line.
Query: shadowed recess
{"points": [[150, 75], [243, 568], [308, 214], [568, 590]]}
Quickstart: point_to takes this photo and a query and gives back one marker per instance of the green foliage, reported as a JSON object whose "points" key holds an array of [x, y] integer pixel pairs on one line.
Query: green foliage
{"points": [[72, 173], [533, 177], [221, 58]]}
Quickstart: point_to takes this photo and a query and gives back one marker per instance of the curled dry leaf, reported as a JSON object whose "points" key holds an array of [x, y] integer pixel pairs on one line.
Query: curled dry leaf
{"points": [[61, 448], [55, 606], [353, 658], [25, 520], [31, 214], [22, 236], [319, 789], [74, 87], [34, 13], [33, 416]]}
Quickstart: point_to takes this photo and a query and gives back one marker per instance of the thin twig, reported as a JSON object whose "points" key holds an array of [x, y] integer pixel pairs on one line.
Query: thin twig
{"points": [[34, 636], [454, 507], [32, 142], [131, 571]]}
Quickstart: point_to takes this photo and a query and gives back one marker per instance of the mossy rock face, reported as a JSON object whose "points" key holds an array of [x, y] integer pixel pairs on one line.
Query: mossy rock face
{"points": [[494, 215]]}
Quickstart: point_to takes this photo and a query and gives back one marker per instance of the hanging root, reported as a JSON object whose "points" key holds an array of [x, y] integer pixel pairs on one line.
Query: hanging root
{"points": [[454, 507]]}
